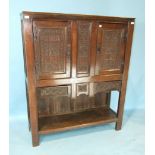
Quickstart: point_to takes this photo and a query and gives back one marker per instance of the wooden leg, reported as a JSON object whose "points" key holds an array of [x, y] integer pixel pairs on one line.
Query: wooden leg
{"points": [[118, 126], [33, 117], [29, 124], [35, 139], [28, 109], [34, 128], [120, 110]]}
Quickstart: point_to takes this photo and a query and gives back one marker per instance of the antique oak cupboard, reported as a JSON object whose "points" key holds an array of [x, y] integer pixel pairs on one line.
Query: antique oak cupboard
{"points": [[72, 63]]}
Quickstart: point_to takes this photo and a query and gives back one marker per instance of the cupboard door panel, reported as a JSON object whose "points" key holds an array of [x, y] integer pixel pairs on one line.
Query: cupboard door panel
{"points": [[110, 48], [52, 43], [84, 29]]}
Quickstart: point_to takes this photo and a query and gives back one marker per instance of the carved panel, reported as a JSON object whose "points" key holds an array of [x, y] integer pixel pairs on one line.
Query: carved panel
{"points": [[59, 104], [82, 89], [84, 101], [52, 50], [54, 100], [53, 91], [84, 39], [109, 49], [100, 99], [107, 86], [43, 106]]}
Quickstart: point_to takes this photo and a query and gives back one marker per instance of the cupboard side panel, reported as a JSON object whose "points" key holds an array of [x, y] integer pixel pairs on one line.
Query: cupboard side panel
{"points": [[31, 81]]}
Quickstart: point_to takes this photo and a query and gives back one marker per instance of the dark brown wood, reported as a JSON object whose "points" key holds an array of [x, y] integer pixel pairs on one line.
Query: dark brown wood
{"points": [[46, 15], [31, 84], [112, 77], [52, 41], [125, 76], [108, 99], [84, 42], [76, 120], [72, 63], [110, 48], [28, 107]]}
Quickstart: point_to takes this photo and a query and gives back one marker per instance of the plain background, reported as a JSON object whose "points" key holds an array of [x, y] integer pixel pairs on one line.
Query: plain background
{"points": [[95, 140], [149, 76], [124, 8]]}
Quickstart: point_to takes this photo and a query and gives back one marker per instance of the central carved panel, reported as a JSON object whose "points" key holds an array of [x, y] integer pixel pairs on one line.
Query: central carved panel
{"points": [[84, 40]]}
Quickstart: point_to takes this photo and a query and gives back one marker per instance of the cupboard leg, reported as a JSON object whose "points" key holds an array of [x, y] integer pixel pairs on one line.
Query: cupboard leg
{"points": [[28, 109], [120, 110], [118, 126], [33, 116], [35, 139]]}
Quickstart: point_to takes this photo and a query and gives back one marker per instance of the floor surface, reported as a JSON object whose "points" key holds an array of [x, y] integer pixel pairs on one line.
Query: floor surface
{"points": [[98, 140]]}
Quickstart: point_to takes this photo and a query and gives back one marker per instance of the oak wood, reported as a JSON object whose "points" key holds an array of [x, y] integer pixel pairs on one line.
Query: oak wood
{"points": [[125, 77], [29, 61], [47, 15], [110, 59], [76, 120], [72, 63], [112, 77], [39, 32]]}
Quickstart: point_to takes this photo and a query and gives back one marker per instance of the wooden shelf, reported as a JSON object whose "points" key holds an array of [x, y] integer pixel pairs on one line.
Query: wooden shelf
{"points": [[76, 120]]}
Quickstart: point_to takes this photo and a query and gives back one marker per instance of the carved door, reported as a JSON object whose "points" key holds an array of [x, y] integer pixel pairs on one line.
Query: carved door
{"points": [[110, 48], [52, 43]]}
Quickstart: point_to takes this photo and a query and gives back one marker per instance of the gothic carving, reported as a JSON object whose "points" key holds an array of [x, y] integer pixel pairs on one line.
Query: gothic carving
{"points": [[85, 102], [109, 57], [107, 86], [52, 50], [84, 38], [43, 106], [53, 91], [82, 89], [82, 102], [54, 100]]}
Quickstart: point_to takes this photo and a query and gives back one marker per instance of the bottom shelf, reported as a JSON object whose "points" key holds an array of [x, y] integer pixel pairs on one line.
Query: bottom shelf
{"points": [[76, 120]]}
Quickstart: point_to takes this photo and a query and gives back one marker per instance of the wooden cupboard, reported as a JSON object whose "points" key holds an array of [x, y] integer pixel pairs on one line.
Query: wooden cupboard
{"points": [[72, 64]]}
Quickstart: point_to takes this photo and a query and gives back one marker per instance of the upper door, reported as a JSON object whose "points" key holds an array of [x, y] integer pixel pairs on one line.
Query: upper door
{"points": [[52, 43], [110, 48]]}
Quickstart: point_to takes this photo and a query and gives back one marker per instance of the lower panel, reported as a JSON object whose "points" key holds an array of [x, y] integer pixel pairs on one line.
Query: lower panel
{"points": [[84, 102], [76, 120], [54, 100], [57, 100]]}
